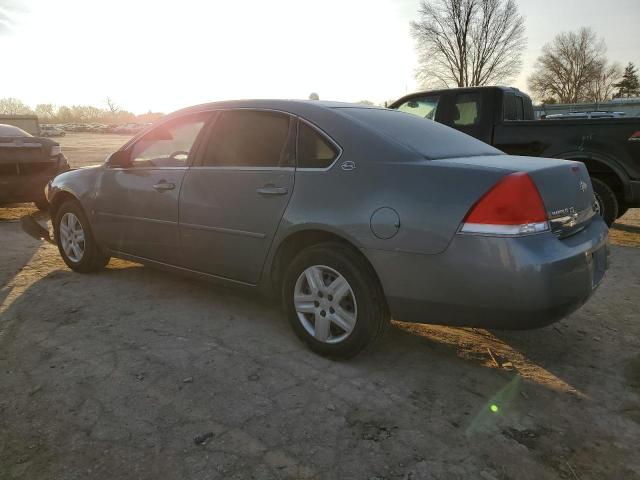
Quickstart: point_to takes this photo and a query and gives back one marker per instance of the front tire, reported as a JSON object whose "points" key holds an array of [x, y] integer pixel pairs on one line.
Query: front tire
{"points": [[75, 240], [606, 200], [334, 301]]}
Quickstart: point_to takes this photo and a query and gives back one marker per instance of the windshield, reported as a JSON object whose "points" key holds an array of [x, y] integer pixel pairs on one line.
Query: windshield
{"points": [[430, 139], [11, 131]]}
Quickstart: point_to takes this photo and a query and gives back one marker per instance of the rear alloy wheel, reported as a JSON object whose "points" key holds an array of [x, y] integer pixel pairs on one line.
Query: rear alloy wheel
{"points": [[75, 240], [334, 301], [325, 304], [606, 201]]}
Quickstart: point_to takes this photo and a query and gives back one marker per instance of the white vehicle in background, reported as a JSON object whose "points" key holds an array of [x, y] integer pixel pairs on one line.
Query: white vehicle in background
{"points": [[51, 131]]}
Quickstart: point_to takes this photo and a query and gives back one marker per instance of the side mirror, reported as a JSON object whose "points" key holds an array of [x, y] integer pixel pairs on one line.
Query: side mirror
{"points": [[120, 158]]}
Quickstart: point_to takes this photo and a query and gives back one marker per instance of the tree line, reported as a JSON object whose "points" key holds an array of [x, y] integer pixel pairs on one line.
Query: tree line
{"points": [[464, 43], [50, 113]]}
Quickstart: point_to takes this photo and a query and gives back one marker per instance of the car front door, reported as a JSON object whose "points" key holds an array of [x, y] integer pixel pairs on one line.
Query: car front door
{"points": [[136, 207], [233, 198]]}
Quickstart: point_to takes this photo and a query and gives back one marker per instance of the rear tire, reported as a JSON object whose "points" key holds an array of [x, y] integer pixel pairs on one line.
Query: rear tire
{"points": [[362, 309], [607, 201], [75, 240]]}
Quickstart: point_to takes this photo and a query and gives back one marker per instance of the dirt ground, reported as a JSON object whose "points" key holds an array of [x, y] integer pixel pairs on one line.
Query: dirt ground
{"points": [[136, 373]]}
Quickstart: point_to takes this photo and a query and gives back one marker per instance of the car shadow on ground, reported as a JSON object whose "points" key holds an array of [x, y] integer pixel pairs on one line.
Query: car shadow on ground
{"points": [[132, 360], [18, 248]]}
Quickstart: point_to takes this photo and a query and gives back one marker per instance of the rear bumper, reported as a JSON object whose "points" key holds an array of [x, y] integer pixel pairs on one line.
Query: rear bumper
{"points": [[495, 282], [24, 188], [29, 187]]}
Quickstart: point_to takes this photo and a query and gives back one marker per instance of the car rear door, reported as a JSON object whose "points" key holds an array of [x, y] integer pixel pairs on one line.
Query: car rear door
{"points": [[234, 196], [136, 206]]}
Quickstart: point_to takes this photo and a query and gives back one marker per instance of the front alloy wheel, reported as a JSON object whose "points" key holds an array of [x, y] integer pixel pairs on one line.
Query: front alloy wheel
{"points": [[72, 237], [75, 240]]}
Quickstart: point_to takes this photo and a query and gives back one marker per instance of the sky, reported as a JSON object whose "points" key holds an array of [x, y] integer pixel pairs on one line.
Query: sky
{"points": [[163, 55]]}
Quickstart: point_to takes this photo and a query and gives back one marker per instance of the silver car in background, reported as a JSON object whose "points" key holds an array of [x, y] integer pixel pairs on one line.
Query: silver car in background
{"points": [[350, 214]]}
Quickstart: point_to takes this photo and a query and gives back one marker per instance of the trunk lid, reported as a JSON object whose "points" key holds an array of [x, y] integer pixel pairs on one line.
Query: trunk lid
{"points": [[564, 185]]}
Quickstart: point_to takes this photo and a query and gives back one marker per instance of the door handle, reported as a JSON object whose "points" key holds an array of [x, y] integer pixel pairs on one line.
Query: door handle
{"points": [[272, 190], [162, 186]]}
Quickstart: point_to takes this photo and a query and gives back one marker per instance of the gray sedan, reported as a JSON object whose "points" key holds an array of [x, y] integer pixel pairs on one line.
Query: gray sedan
{"points": [[350, 214]]}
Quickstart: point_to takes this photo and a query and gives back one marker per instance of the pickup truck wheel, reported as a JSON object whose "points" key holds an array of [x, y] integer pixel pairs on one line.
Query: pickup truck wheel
{"points": [[606, 200], [333, 300], [75, 241]]}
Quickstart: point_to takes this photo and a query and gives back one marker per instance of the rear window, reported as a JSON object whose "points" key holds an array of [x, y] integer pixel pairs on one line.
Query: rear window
{"points": [[430, 139]]}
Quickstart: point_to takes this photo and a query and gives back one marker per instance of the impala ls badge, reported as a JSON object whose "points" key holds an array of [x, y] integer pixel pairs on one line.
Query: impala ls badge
{"points": [[583, 186], [348, 166]]}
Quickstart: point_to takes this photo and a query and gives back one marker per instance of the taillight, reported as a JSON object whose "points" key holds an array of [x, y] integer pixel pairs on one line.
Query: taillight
{"points": [[513, 206], [635, 137]]}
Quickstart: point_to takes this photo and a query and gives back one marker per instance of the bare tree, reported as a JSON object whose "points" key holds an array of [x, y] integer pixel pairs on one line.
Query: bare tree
{"points": [[468, 42], [603, 85], [112, 106], [570, 66], [45, 111], [13, 106]]}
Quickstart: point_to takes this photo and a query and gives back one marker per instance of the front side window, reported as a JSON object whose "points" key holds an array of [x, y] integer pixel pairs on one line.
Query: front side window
{"points": [[314, 151], [247, 138], [424, 107], [466, 110], [169, 144]]}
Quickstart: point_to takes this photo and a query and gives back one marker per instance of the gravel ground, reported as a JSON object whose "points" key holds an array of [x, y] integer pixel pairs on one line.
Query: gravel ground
{"points": [[136, 373]]}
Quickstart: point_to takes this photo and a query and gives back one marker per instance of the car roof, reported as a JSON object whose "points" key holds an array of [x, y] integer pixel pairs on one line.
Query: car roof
{"points": [[297, 107]]}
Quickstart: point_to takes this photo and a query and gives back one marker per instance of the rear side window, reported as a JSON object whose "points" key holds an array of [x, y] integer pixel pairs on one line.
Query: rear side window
{"points": [[425, 107], [466, 110], [314, 150], [246, 138]]}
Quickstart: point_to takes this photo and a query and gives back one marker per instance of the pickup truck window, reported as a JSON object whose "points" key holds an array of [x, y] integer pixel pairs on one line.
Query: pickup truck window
{"points": [[519, 108], [424, 107], [466, 110]]}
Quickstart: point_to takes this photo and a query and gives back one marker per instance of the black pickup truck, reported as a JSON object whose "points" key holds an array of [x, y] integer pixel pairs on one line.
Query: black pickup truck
{"points": [[503, 117]]}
